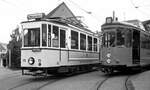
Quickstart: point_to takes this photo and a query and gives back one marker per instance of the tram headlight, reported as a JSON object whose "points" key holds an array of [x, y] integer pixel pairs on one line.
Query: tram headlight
{"points": [[108, 61], [31, 60], [108, 55]]}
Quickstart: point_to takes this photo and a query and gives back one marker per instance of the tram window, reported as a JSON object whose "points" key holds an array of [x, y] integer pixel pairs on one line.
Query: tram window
{"points": [[111, 39], [55, 36], [95, 44], [74, 40], [49, 35], [103, 40], [120, 37], [44, 34], [82, 41], [32, 37], [128, 38], [89, 43], [62, 38]]}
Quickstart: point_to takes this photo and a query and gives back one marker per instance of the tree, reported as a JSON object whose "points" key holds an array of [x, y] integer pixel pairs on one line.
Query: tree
{"points": [[14, 47]]}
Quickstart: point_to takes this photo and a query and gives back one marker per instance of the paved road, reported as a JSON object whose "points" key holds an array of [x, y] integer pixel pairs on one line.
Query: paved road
{"points": [[13, 80]]}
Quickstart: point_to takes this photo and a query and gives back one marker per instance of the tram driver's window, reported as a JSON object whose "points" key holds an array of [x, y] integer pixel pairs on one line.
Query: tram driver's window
{"points": [[32, 37], [44, 34], [120, 37], [111, 39], [55, 36], [74, 40]]}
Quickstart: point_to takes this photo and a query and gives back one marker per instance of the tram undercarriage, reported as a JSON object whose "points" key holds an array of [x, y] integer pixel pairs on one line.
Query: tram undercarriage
{"points": [[63, 70]]}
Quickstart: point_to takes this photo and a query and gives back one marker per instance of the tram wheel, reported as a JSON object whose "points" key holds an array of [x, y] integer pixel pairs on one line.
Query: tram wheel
{"points": [[109, 70]]}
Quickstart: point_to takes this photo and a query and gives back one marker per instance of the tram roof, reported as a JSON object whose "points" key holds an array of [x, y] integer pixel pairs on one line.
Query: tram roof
{"points": [[126, 23], [60, 22]]}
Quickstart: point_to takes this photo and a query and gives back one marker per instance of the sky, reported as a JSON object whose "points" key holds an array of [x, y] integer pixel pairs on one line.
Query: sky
{"points": [[94, 12]]}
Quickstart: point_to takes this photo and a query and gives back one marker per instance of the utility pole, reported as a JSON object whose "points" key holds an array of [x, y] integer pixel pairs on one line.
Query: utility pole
{"points": [[113, 15]]}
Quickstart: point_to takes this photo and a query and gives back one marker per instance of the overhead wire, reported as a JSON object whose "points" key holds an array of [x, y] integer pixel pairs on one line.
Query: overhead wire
{"points": [[9, 3], [137, 8], [88, 12]]}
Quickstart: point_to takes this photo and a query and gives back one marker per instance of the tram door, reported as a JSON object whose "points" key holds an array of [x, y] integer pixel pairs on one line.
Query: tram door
{"points": [[63, 53], [136, 47]]}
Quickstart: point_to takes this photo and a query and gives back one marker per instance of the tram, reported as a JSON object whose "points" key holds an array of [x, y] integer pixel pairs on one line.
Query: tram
{"points": [[125, 46], [55, 46]]}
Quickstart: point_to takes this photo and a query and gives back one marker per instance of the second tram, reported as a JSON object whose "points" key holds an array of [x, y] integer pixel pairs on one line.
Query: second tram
{"points": [[124, 46]]}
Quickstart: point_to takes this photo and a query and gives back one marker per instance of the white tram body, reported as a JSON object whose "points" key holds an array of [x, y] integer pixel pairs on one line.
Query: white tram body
{"points": [[50, 44]]}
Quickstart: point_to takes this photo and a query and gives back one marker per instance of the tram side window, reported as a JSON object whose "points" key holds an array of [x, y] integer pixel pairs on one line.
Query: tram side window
{"points": [[44, 35], [120, 37], [32, 37], [95, 44], [82, 41], [62, 38], [55, 36], [89, 43], [49, 35], [74, 40]]}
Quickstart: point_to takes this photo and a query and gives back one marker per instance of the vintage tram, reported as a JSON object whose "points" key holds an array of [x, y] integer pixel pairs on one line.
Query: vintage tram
{"points": [[55, 45], [125, 46]]}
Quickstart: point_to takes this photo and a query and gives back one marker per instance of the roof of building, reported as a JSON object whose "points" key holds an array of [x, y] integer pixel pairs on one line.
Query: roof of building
{"points": [[3, 47]]}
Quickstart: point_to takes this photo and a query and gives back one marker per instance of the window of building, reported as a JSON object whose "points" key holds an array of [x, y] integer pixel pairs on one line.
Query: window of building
{"points": [[62, 38], [55, 36], [44, 35], [74, 40], [89, 43], [82, 41], [49, 35]]}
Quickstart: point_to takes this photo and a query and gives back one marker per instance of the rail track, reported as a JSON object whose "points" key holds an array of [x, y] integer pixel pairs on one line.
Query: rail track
{"points": [[124, 78]]}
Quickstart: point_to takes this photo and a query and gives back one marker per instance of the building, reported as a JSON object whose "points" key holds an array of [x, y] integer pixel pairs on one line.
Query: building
{"points": [[3, 51]]}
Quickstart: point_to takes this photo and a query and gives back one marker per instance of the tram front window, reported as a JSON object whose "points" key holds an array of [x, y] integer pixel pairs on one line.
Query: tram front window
{"points": [[120, 37], [32, 37], [109, 39]]}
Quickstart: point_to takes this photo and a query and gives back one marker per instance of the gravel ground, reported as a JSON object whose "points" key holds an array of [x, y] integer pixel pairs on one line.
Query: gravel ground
{"points": [[88, 81], [141, 81]]}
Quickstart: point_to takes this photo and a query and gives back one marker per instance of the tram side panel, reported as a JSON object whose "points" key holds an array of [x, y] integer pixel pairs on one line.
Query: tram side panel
{"points": [[145, 56], [82, 57]]}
